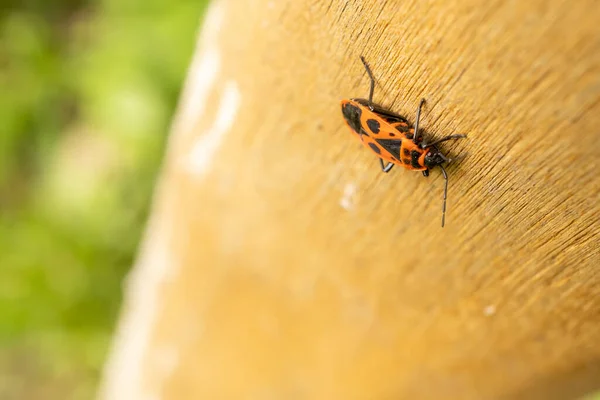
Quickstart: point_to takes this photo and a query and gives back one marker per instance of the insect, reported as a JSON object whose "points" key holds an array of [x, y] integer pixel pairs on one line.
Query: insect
{"points": [[391, 137]]}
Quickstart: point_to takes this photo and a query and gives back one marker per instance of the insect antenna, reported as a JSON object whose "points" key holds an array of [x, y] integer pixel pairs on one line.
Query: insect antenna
{"points": [[445, 194]]}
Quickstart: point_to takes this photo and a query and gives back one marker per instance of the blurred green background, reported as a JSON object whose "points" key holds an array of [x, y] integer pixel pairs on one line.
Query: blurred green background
{"points": [[88, 89]]}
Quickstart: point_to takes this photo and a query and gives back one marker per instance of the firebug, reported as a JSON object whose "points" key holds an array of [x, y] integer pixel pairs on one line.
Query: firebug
{"points": [[391, 137]]}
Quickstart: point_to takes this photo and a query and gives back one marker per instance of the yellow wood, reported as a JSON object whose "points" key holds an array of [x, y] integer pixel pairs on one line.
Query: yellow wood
{"points": [[281, 263]]}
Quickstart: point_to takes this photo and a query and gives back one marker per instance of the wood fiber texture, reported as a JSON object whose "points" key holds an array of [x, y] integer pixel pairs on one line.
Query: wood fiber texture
{"points": [[280, 263]]}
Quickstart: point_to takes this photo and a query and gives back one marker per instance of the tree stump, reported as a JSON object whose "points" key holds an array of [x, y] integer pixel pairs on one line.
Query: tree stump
{"points": [[280, 263]]}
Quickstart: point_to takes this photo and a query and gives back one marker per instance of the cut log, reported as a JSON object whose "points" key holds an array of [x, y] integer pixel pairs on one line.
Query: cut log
{"points": [[280, 263]]}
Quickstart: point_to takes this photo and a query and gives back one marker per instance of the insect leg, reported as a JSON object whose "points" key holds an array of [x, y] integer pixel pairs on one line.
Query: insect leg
{"points": [[387, 168], [451, 137], [372, 82], [416, 134]]}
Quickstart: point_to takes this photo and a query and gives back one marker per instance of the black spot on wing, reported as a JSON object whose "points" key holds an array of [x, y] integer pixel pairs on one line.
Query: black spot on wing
{"points": [[414, 159], [352, 116], [373, 125], [375, 148], [401, 127], [391, 145], [389, 119], [406, 152]]}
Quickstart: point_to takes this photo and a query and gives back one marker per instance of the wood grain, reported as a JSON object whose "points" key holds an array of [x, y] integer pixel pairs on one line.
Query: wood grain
{"points": [[280, 262]]}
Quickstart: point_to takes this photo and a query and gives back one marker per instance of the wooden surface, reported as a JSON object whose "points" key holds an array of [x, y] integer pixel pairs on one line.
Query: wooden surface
{"points": [[280, 263]]}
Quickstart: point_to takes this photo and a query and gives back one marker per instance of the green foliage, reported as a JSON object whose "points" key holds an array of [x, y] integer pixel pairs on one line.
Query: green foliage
{"points": [[88, 92]]}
